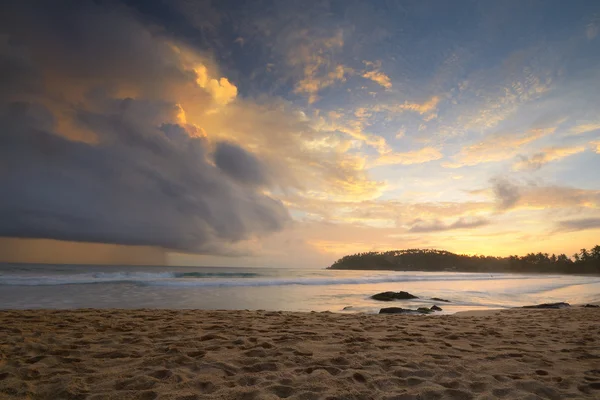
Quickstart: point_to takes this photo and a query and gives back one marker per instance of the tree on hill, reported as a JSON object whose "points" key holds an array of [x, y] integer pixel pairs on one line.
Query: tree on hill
{"points": [[441, 260]]}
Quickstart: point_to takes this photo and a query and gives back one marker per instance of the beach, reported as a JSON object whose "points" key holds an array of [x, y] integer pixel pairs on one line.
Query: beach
{"points": [[202, 354]]}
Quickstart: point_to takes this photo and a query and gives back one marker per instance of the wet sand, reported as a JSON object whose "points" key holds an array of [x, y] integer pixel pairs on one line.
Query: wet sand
{"points": [[185, 355]]}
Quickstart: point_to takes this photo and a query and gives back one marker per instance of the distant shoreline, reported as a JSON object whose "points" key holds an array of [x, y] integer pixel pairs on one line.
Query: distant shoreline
{"points": [[469, 272], [433, 260]]}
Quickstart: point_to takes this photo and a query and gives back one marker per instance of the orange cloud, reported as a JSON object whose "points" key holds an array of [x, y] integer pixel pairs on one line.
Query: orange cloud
{"points": [[376, 75], [421, 108]]}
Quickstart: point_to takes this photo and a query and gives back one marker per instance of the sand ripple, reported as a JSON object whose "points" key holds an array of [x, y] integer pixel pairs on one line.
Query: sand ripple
{"points": [[188, 355]]}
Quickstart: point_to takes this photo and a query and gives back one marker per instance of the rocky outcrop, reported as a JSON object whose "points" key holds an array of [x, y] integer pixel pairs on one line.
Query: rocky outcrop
{"points": [[438, 299], [389, 296], [424, 310], [591, 306], [550, 305], [435, 308], [398, 310]]}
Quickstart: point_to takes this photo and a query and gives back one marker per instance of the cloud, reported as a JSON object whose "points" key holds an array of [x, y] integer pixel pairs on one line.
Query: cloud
{"points": [[152, 82], [439, 226], [511, 195], [420, 156], [538, 160], [355, 128], [421, 108], [543, 197], [496, 147], [101, 142], [595, 146], [314, 56], [313, 82], [506, 193], [383, 213], [299, 153], [584, 128], [240, 164], [427, 108], [139, 185], [376, 75], [221, 90], [579, 224]]}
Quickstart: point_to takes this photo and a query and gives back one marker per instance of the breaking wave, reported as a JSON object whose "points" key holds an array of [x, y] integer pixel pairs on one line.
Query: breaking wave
{"points": [[224, 279]]}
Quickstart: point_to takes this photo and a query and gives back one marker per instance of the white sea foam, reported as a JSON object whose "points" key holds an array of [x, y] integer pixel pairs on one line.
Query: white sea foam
{"points": [[195, 279]]}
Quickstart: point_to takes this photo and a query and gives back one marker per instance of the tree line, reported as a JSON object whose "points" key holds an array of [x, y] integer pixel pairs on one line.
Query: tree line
{"points": [[583, 262]]}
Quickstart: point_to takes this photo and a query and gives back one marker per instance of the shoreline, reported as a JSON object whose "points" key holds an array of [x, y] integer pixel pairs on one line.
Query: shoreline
{"points": [[201, 354]]}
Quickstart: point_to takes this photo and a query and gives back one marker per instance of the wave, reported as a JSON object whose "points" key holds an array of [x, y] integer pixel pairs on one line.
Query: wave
{"points": [[229, 279], [111, 277]]}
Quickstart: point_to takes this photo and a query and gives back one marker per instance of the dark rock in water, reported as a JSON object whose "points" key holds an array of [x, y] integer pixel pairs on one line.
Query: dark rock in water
{"points": [[435, 308], [347, 308], [424, 310], [398, 310], [438, 299], [591, 306], [389, 296], [550, 305]]}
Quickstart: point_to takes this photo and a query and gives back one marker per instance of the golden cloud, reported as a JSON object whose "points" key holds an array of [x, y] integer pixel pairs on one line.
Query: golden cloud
{"points": [[420, 156], [314, 82], [427, 108], [313, 58], [545, 156], [584, 128], [421, 108], [221, 90], [376, 75], [496, 147]]}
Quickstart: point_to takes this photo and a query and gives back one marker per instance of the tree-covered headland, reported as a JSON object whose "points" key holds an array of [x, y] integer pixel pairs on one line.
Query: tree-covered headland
{"points": [[583, 262]]}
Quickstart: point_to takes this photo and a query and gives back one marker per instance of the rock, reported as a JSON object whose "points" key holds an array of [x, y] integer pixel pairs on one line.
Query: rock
{"points": [[591, 306], [347, 308], [438, 299], [435, 308], [550, 305], [389, 296], [424, 310], [398, 310]]}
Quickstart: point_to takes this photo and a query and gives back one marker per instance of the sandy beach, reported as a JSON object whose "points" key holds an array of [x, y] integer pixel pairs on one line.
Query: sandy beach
{"points": [[185, 355]]}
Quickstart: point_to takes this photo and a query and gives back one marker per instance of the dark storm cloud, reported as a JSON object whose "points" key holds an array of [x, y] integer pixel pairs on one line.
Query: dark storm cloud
{"points": [[144, 177], [239, 164], [439, 226], [144, 187]]}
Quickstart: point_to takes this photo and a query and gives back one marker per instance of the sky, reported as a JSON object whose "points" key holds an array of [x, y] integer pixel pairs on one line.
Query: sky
{"points": [[290, 133]]}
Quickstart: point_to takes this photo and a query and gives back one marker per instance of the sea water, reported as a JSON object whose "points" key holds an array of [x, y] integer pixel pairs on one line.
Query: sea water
{"points": [[29, 286]]}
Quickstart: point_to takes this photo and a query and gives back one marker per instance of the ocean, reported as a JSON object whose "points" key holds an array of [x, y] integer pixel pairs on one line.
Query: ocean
{"points": [[28, 286]]}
